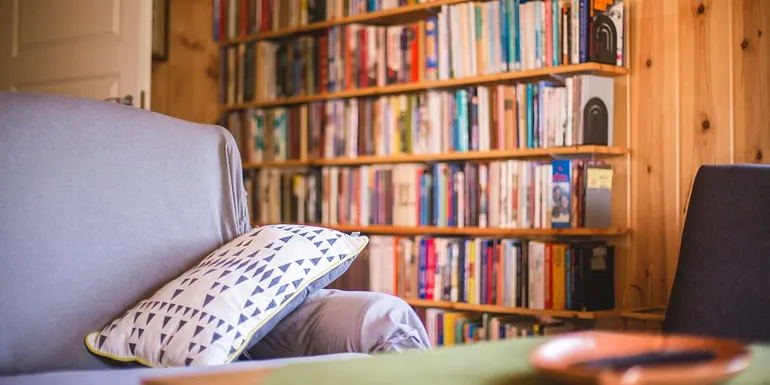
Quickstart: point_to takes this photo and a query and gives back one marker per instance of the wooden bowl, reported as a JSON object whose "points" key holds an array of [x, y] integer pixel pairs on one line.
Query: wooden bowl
{"points": [[610, 358]]}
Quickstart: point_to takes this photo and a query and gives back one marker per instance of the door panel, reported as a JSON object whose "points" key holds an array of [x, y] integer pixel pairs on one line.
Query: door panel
{"points": [[93, 87], [92, 25], [96, 49]]}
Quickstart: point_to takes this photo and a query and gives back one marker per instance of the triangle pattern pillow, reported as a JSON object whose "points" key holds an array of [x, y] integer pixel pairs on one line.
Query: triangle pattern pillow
{"points": [[230, 300]]}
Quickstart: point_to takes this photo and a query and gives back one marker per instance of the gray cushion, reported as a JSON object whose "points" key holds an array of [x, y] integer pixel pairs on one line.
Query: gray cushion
{"points": [[331, 321], [101, 204]]}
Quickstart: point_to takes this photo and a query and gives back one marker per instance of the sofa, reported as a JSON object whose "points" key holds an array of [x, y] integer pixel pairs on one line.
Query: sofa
{"points": [[101, 205]]}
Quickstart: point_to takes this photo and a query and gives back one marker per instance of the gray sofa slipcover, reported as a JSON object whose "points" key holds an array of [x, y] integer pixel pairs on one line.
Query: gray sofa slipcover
{"points": [[101, 204]]}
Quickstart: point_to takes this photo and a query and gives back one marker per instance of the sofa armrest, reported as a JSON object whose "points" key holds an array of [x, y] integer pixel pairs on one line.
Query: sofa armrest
{"points": [[336, 321]]}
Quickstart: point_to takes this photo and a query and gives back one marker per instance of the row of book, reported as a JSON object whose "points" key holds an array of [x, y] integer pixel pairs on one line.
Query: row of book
{"points": [[237, 18], [540, 275], [544, 114], [510, 194], [278, 134], [445, 327], [282, 196], [463, 40], [449, 328]]}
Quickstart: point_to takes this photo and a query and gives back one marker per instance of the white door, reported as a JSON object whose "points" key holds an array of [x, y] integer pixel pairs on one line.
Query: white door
{"points": [[99, 49]]}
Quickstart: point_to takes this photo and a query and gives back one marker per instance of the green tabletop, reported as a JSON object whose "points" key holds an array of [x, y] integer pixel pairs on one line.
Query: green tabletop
{"points": [[482, 363]]}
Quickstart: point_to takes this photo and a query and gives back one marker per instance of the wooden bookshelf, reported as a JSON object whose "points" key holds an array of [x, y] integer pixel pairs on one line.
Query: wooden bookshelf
{"points": [[505, 77], [524, 153], [459, 306], [467, 108], [392, 16]]}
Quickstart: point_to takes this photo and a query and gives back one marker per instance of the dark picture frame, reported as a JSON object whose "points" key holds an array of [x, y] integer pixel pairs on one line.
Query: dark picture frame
{"points": [[160, 13]]}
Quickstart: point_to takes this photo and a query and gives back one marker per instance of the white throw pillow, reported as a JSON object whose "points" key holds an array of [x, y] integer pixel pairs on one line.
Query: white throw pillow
{"points": [[231, 299]]}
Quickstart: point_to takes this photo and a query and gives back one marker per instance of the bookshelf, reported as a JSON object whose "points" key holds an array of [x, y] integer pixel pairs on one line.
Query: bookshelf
{"points": [[366, 117]]}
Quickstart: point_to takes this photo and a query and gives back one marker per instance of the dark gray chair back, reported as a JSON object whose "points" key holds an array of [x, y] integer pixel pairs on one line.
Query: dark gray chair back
{"points": [[722, 283]]}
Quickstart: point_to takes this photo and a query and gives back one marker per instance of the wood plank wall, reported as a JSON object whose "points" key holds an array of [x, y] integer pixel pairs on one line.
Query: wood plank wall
{"points": [[700, 94], [186, 85]]}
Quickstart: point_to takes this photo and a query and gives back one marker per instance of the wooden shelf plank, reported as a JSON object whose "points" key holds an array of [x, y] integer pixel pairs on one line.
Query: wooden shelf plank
{"points": [[469, 231], [284, 164], [475, 231], [452, 156], [458, 306], [390, 16], [654, 313], [565, 70], [472, 155]]}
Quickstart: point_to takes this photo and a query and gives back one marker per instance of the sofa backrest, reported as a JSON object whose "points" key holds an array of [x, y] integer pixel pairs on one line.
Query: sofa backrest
{"points": [[100, 205]]}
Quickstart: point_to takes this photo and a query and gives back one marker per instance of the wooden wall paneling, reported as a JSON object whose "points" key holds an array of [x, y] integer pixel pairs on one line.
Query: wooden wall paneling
{"points": [[704, 91], [654, 128], [186, 86], [699, 94], [750, 49]]}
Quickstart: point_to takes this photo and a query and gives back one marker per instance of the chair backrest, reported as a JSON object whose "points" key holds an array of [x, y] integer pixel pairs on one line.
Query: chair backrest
{"points": [[100, 205], [722, 282]]}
